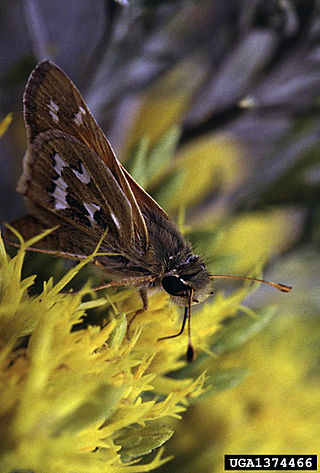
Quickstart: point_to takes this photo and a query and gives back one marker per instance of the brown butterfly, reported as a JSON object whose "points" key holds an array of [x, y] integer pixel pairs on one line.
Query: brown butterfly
{"points": [[72, 179]]}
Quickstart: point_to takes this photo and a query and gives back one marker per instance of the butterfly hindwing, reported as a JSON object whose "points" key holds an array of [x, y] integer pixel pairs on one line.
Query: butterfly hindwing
{"points": [[75, 246]]}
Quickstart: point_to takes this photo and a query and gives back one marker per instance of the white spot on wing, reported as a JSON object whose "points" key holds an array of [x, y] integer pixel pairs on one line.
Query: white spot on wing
{"points": [[116, 221], [59, 194], [59, 163], [53, 110], [78, 116], [83, 176], [91, 208]]}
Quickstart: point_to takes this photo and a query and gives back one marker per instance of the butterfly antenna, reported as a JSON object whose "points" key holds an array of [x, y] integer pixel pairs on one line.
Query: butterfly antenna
{"points": [[190, 350], [281, 287]]}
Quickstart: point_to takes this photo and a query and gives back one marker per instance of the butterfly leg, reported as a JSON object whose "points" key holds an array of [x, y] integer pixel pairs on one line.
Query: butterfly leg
{"points": [[144, 297]]}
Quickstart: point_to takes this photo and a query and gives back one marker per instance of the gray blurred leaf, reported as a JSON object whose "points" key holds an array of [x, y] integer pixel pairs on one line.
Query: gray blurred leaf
{"points": [[222, 380], [139, 441], [54, 28], [235, 76], [238, 330]]}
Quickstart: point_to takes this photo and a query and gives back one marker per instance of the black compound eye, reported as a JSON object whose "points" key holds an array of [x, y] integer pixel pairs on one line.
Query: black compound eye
{"points": [[174, 286]]}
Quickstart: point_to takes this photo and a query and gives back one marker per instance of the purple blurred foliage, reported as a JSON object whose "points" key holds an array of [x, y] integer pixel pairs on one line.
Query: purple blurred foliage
{"points": [[260, 78]]}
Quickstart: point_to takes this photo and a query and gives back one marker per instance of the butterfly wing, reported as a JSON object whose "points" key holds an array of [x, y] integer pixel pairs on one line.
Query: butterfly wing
{"points": [[145, 201], [29, 226], [68, 151], [62, 176]]}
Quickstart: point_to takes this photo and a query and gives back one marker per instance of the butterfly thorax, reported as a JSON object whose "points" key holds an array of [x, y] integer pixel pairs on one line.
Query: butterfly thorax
{"points": [[168, 259]]}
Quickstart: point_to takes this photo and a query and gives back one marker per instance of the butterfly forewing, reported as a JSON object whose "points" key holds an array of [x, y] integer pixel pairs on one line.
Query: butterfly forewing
{"points": [[52, 102]]}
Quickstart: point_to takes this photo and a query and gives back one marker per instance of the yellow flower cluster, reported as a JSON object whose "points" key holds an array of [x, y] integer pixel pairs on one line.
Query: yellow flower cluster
{"points": [[94, 398]]}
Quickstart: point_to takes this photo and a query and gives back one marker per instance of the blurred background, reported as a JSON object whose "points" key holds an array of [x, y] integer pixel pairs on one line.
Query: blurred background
{"points": [[214, 108]]}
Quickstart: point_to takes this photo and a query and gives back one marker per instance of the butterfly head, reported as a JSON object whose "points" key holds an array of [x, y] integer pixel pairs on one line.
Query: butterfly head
{"points": [[188, 279]]}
